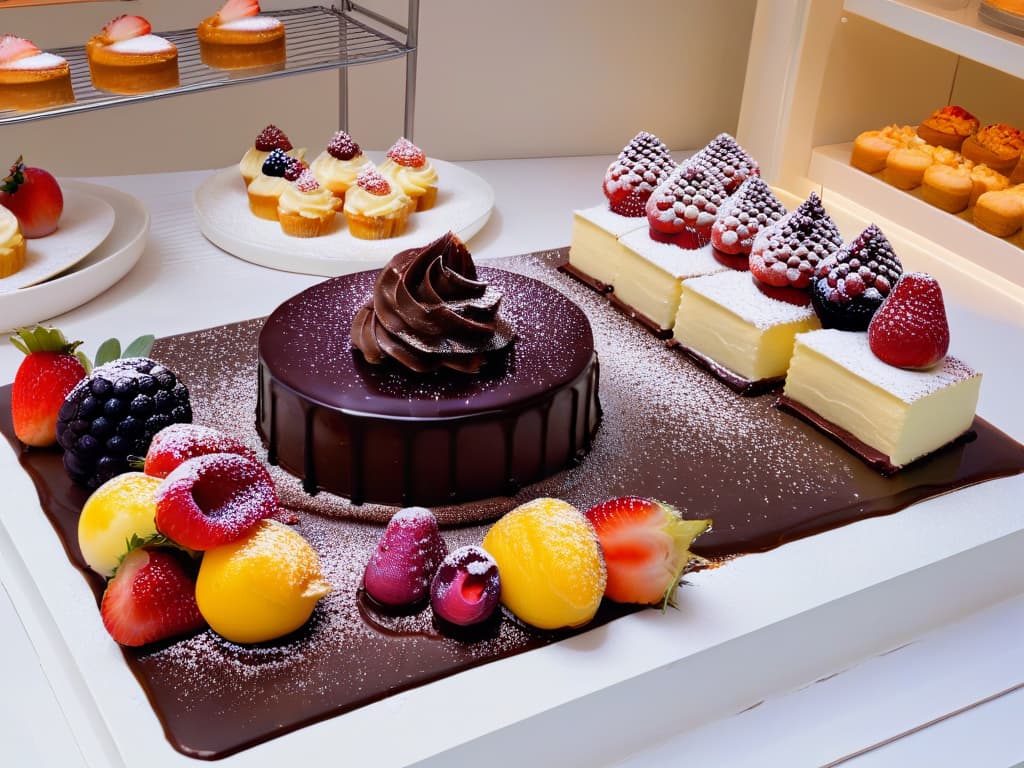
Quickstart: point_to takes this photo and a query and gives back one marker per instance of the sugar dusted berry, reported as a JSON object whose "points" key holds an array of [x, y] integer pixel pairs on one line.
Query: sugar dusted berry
{"points": [[176, 444], [233, 10], [687, 200], [277, 163], [910, 329], [343, 147], [409, 551], [272, 137], [13, 48], [307, 181], [466, 588], [728, 161], [641, 166], [787, 254], [404, 152], [373, 182], [214, 499], [294, 169], [852, 283], [752, 208]]}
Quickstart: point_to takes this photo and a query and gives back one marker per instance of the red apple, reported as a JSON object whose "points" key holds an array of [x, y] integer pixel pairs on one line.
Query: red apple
{"points": [[34, 197]]}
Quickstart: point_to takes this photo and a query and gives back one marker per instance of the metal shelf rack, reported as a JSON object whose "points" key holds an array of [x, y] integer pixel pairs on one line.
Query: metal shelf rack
{"points": [[318, 38]]}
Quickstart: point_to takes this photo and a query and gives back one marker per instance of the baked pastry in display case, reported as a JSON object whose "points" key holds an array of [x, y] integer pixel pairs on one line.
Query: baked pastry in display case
{"points": [[127, 58], [31, 79], [237, 37]]}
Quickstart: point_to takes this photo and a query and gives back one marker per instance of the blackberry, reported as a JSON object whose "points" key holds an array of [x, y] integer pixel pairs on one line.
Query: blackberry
{"points": [[852, 283], [728, 161], [113, 413], [277, 163]]}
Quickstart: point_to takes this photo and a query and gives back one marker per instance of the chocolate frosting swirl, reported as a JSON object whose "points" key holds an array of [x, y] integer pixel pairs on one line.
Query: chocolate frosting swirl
{"points": [[429, 311]]}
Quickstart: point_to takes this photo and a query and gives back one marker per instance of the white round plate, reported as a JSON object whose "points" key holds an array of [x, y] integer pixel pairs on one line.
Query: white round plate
{"points": [[84, 224], [107, 264], [464, 203]]}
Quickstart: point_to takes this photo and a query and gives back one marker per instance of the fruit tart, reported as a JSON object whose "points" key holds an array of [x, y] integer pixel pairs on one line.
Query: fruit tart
{"points": [[126, 58], [338, 165], [375, 208], [237, 36], [31, 79], [12, 244], [305, 209], [408, 168]]}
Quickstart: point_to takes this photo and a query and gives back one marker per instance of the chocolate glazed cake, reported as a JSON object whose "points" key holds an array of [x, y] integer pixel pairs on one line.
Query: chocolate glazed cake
{"points": [[457, 384]]}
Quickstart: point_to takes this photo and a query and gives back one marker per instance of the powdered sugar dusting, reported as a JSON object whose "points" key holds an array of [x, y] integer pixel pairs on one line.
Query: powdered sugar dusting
{"points": [[142, 44], [679, 262], [610, 221], [851, 350], [39, 61], [737, 292], [252, 24]]}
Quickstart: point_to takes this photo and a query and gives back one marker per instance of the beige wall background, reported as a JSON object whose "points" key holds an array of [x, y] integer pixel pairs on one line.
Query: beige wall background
{"points": [[497, 79]]}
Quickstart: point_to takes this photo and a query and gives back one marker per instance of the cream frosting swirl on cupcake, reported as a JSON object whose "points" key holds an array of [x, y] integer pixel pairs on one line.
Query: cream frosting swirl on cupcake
{"points": [[268, 139], [373, 195], [10, 233], [307, 198], [266, 186], [409, 168], [338, 165]]}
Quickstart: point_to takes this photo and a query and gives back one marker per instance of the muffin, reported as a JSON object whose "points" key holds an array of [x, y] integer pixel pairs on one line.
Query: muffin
{"points": [[947, 188], [266, 189], [12, 244], [269, 139], [1000, 212], [870, 151], [31, 79], [984, 179], [948, 127], [374, 208], [305, 209], [998, 146], [338, 165], [905, 167], [409, 168], [237, 37], [126, 58]]}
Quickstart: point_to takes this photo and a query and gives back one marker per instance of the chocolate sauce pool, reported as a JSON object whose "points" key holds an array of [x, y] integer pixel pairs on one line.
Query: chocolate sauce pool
{"points": [[669, 431]]}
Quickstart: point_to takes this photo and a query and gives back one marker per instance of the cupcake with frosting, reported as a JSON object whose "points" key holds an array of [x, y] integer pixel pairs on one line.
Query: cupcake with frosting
{"points": [[270, 183], [338, 165], [305, 209], [412, 172], [375, 208], [269, 139], [12, 244]]}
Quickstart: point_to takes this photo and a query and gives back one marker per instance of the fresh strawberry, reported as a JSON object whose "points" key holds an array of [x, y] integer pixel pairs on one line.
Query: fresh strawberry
{"points": [[44, 378], [238, 9], [13, 48], [646, 546], [404, 152], [214, 499], [150, 598], [408, 553], [174, 445], [373, 182], [125, 27], [272, 137], [34, 197], [910, 329], [641, 166]]}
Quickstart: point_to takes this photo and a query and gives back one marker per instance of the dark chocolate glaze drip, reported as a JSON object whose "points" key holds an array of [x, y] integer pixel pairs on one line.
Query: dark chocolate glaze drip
{"points": [[207, 713]]}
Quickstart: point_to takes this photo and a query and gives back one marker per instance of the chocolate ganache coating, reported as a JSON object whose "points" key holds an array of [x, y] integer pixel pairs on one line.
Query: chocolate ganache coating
{"points": [[430, 311]]}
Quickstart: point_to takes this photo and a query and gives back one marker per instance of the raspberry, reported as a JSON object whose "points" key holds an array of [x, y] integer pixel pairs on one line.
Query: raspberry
{"points": [[272, 137], [642, 165], [743, 215], [728, 160], [404, 152], [787, 253], [372, 181], [342, 147], [276, 164], [307, 182], [851, 284], [688, 199], [294, 169], [113, 414]]}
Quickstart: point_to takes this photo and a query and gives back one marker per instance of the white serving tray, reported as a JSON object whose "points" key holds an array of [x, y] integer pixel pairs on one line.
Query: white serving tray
{"points": [[464, 203], [761, 625]]}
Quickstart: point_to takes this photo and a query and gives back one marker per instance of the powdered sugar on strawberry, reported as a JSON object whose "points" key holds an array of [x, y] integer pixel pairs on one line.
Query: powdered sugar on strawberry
{"points": [[307, 181], [373, 182], [405, 153]]}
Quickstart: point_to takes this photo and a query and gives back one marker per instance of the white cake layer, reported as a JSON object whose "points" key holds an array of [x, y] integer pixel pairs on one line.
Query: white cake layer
{"points": [[901, 413], [595, 249], [651, 272], [726, 317]]}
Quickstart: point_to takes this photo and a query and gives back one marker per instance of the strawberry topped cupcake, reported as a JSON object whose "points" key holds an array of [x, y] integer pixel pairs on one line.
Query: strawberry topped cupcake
{"points": [[126, 58], [337, 166], [305, 209], [376, 209], [409, 168], [269, 139], [31, 79]]}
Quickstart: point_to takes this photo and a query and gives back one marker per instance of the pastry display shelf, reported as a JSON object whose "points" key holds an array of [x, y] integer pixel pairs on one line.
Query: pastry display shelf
{"points": [[957, 30], [830, 166], [318, 38]]}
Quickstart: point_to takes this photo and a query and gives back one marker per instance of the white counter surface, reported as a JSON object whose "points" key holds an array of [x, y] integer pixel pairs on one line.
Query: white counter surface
{"points": [[961, 656]]}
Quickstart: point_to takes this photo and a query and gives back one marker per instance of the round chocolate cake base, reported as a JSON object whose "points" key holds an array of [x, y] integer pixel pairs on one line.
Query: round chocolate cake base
{"points": [[382, 434]]}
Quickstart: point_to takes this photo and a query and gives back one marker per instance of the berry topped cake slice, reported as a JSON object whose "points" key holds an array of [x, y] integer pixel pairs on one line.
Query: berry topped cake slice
{"points": [[891, 395], [728, 161], [595, 253]]}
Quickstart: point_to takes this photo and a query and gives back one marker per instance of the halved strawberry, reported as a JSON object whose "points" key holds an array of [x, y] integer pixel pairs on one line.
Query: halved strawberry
{"points": [[13, 48], [910, 329], [44, 378], [150, 598], [646, 546], [125, 27], [174, 445], [238, 9]]}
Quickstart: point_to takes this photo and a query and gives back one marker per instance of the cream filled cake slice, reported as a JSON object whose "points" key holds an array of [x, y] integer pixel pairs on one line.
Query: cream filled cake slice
{"points": [[595, 254], [730, 326], [649, 280], [889, 416]]}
